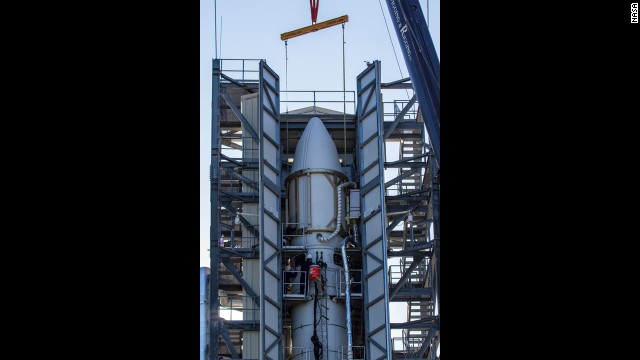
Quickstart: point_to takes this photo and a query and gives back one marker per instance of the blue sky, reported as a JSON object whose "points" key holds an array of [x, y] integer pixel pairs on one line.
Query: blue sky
{"points": [[250, 29]]}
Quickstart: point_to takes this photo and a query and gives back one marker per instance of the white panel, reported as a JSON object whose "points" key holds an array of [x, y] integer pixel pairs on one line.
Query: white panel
{"points": [[270, 314], [365, 80], [371, 201], [323, 201], [376, 282], [376, 353], [303, 200], [379, 336], [273, 354], [249, 108], [369, 126], [251, 175], [271, 202], [270, 152], [268, 250], [370, 154], [375, 250], [269, 174], [248, 304], [250, 208], [269, 339], [293, 205], [270, 227], [372, 103], [271, 288], [251, 273], [269, 124], [379, 310], [251, 345], [266, 75], [374, 227], [273, 265], [370, 175]]}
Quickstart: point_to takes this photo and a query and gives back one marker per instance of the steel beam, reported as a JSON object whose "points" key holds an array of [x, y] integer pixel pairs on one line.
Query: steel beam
{"points": [[236, 111], [314, 27], [414, 250], [400, 177], [238, 276], [236, 83], [235, 162], [300, 125], [413, 294], [239, 252], [228, 342], [398, 219], [395, 222], [435, 186], [399, 118], [227, 205], [231, 144], [422, 324], [241, 196], [397, 208], [214, 233], [409, 125], [416, 261], [246, 325], [425, 343], [403, 161], [398, 84], [271, 344], [374, 237], [410, 195], [245, 179]]}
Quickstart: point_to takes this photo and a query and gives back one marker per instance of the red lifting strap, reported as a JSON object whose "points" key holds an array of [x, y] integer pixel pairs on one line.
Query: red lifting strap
{"points": [[314, 10]]}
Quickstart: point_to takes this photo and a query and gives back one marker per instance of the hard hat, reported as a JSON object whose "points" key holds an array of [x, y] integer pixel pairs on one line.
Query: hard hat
{"points": [[309, 256]]}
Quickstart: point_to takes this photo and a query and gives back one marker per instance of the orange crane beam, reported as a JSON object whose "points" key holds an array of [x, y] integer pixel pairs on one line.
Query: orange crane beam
{"points": [[314, 27]]}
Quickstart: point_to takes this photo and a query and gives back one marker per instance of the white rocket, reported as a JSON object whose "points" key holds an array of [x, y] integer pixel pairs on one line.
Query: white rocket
{"points": [[316, 211]]}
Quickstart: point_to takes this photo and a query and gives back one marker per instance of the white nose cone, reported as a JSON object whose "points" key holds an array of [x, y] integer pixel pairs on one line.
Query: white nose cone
{"points": [[316, 149]]}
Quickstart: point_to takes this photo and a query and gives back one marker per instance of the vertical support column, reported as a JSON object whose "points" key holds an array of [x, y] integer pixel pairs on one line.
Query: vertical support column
{"points": [[269, 216], [214, 174], [374, 238], [250, 267], [435, 203]]}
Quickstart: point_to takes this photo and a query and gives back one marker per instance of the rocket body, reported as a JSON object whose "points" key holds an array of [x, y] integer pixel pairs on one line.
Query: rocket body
{"points": [[313, 210]]}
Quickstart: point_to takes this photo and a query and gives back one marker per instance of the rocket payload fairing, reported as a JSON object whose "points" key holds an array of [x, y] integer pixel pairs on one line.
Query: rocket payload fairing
{"points": [[317, 325]]}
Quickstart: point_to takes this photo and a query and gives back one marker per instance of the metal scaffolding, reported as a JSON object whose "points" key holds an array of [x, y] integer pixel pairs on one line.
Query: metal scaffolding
{"points": [[252, 145]]}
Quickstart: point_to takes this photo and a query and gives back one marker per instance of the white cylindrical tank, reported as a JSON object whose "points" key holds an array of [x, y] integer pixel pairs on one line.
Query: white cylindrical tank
{"points": [[311, 195], [311, 186], [302, 327]]}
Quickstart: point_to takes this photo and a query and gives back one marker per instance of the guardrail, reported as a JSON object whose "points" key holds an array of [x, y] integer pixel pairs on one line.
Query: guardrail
{"points": [[358, 352], [298, 353]]}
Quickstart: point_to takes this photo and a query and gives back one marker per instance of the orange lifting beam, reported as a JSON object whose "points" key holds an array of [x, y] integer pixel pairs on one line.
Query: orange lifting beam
{"points": [[314, 27]]}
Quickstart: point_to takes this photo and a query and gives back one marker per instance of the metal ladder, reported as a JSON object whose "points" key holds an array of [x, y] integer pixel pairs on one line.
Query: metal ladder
{"points": [[323, 334]]}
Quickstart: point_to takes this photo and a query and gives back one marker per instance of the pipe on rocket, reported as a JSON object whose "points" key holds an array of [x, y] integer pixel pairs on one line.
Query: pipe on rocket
{"points": [[345, 263], [339, 218]]}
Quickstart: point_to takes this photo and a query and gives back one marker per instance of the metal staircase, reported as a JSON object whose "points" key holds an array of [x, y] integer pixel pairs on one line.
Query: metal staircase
{"points": [[410, 149], [408, 203], [235, 336]]}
